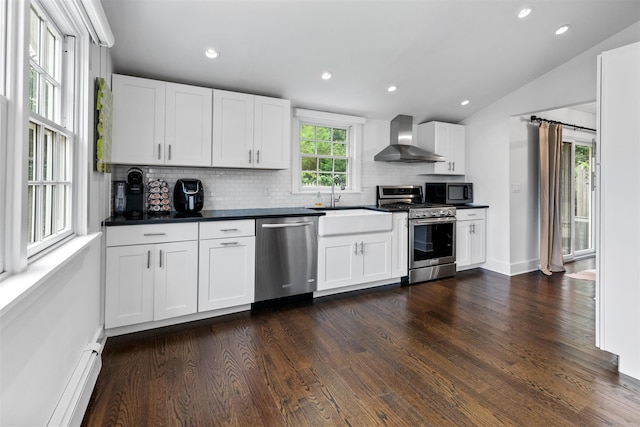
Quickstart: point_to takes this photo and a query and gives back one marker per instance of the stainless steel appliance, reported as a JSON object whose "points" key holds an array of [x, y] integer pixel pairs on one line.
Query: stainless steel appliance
{"points": [[450, 193], [135, 194], [188, 195], [400, 148], [286, 256], [432, 231]]}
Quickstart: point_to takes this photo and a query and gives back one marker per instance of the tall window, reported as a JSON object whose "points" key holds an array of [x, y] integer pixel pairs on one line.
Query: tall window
{"points": [[576, 198], [324, 155], [50, 139]]}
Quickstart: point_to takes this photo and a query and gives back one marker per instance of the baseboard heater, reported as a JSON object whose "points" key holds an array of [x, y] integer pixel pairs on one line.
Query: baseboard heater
{"points": [[75, 398]]}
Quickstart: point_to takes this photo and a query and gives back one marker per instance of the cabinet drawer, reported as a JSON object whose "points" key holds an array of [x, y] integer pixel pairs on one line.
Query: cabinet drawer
{"points": [[223, 229], [470, 214], [155, 233]]}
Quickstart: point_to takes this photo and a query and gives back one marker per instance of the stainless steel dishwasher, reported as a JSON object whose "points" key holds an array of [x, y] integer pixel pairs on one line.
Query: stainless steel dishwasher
{"points": [[286, 256]]}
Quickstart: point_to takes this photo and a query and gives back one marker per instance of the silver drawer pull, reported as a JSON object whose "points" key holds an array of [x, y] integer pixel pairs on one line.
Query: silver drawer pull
{"points": [[154, 234], [226, 230], [229, 243]]}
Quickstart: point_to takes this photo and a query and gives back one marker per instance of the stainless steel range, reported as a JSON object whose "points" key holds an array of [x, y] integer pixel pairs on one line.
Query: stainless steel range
{"points": [[432, 231]]}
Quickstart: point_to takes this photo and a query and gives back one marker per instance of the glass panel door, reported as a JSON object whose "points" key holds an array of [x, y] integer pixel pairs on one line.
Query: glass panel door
{"points": [[576, 206]]}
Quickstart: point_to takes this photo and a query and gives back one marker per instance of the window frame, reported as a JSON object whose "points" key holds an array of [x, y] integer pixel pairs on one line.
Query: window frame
{"points": [[61, 124], [354, 127]]}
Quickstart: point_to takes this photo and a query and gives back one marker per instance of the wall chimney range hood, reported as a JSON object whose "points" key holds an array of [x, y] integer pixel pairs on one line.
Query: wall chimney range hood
{"points": [[400, 148]]}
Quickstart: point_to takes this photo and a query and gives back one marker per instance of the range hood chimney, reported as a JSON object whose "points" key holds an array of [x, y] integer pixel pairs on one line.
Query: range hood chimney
{"points": [[400, 148]]}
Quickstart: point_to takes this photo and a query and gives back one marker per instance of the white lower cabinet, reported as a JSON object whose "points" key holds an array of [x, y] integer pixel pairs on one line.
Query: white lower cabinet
{"points": [[400, 252], [227, 264], [470, 238], [150, 282], [353, 259]]}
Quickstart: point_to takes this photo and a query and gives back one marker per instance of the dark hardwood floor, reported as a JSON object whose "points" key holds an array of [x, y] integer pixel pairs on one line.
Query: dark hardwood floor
{"points": [[477, 349]]}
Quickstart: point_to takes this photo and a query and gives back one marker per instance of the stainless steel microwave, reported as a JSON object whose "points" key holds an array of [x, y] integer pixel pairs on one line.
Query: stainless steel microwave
{"points": [[448, 193]]}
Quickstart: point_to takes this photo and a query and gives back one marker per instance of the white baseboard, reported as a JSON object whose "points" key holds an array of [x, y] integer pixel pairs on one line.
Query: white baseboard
{"points": [[75, 398]]}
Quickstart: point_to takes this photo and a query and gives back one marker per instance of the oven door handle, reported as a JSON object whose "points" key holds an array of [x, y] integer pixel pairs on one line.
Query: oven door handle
{"points": [[433, 221]]}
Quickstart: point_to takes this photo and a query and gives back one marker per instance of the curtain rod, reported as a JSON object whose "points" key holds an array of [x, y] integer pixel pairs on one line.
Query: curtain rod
{"points": [[540, 120]]}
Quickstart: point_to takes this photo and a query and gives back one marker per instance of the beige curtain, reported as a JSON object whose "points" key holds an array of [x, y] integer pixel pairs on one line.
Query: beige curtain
{"points": [[550, 231]]}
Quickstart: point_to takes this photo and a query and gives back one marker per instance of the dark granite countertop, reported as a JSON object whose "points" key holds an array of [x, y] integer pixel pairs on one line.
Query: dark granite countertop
{"points": [[212, 215]]}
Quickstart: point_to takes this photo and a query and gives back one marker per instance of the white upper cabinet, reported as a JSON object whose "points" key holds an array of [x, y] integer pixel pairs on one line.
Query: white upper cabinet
{"points": [[447, 140], [251, 131], [232, 129], [188, 125], [160, 123], [138, 120]]}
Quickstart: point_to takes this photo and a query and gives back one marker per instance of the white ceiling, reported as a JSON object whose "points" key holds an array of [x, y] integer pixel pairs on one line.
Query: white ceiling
{"points": [[438, 52]]}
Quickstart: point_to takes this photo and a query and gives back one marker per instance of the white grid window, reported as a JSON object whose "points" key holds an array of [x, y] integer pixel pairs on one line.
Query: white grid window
{"points": [[50, 142]]}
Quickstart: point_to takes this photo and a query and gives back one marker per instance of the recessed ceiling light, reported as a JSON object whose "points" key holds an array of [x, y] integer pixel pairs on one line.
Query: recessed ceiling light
{"points": [[524, 12], [392, 88], [326, 75], [562, 30], [465, 102], [211, 53]]}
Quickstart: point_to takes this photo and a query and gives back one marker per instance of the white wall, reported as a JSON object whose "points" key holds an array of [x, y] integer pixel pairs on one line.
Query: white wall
{"points": [[246, 188], [42, 337], [494, 158]]}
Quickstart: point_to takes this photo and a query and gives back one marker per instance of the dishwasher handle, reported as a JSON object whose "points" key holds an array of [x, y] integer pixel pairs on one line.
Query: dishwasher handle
{"points": [[287, 225]]}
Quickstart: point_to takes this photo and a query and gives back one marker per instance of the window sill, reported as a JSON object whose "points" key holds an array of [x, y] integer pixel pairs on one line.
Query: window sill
{"points": [[17, 287]]}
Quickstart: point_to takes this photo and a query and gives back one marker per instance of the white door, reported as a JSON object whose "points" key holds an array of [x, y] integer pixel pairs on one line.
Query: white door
{"points": [[477, 250], [272, 133], [463, 243], [176, 279], [188, 125], [400, 248], [129, 285], [138, 121], [339, 263], [375, 250], [455, 149], [227, 273], [233, 129]]}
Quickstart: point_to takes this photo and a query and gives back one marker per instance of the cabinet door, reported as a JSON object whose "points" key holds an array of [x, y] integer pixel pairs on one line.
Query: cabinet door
{"points": [[477, 251], [400, 245], [226, 273], [232, 129], [447, 140], [456, 149], [129, 285], [339, 263], [272, 133], [138, 121], [176, 279], [463, 236], [375, 250], [188, 125]]}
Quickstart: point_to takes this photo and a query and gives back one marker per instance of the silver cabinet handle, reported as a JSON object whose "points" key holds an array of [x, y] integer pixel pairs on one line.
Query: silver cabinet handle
{"points": [[249, 156], [148, 260], [258, 156], [154, 234], [159, 149], [355, 248], [229, 243], [286, 225], [160, 258], [453, 166], [169, 151], [226, 230], [361, 248]]}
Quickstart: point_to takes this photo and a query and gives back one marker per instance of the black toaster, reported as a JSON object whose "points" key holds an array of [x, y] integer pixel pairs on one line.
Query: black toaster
{"points": [[188, 195]]}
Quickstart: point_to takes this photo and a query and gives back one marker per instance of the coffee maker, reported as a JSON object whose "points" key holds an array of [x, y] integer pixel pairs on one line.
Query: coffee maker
{"points": [[135, 194]]}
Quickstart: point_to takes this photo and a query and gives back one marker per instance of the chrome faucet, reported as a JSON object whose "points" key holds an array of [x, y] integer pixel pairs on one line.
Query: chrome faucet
{"points": [[337, 179]]}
